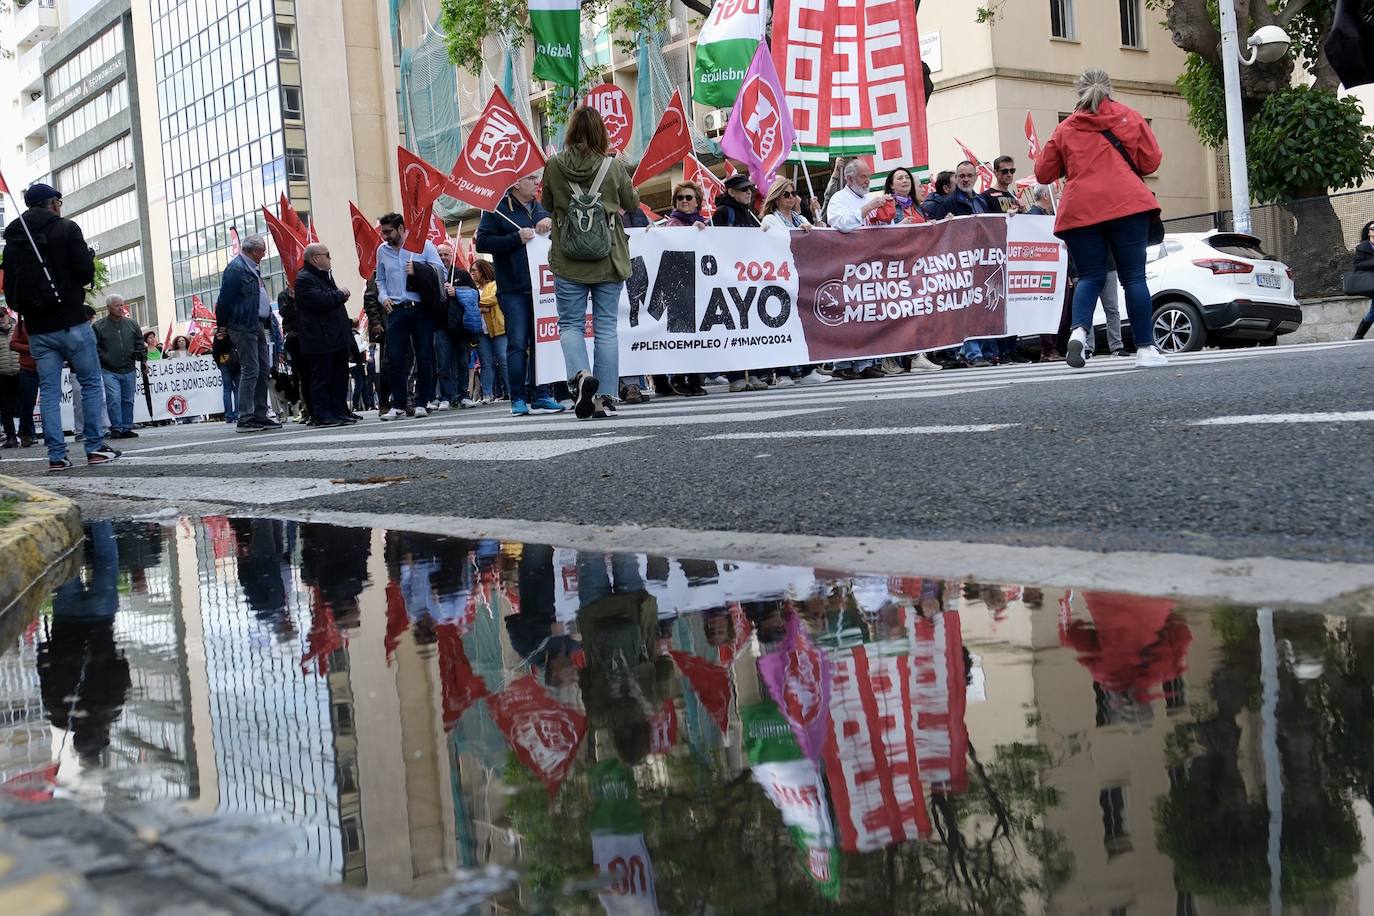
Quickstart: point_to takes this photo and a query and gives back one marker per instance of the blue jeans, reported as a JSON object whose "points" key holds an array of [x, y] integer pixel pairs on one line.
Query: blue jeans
{"points": [[229, 379], [520, 372], [76, 346], [119, 399], [1369, 315], [98, 595], [593, 581], [407, 328], [255, 368], [572, 325], [450, 355], [492, 353], [979, 349], [1127, 239]]}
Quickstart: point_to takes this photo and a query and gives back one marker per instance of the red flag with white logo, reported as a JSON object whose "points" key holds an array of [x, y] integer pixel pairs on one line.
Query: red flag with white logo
{"points": [[611, 102], [544, 733], [798, 678], [710, 683], [711, 186], [461, 685], [421, 185], [669, 144], [985, 176], [203, 320], [290, 246], [438, 232], [293, 221], [366, 239], [1032, 139], [499, 152]]}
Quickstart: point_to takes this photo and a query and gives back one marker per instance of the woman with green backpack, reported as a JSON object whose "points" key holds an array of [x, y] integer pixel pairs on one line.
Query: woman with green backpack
{"points": [[587, 190]]}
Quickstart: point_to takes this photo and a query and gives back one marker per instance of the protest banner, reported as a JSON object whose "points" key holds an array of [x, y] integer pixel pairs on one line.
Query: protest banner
{"points": [[179, 388], [733, 299]]}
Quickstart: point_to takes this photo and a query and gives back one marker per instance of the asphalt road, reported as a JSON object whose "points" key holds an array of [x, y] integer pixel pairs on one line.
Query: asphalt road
{"points": [[1111, 458]]}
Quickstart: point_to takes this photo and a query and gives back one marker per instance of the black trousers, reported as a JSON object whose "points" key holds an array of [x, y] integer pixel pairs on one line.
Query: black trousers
{"points": [[9, 403], [301, 364], [328, 385]]}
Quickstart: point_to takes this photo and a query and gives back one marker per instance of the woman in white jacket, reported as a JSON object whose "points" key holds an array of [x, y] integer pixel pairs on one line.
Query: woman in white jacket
{"points": [[782, 207]]}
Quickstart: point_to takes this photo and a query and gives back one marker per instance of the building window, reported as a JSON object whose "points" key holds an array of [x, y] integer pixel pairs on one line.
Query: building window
{"points": [[295, 165], [105, 161], [86, 61], [123, 265], [108, 215], [1062, 19], [138, 311], [1116, 834], [109, 103], [286, 41], [291, 102], [1131, 36]]}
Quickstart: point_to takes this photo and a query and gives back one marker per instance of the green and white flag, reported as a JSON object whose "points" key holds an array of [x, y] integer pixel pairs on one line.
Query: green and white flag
{"points": [[725, 49], [557, 27]]}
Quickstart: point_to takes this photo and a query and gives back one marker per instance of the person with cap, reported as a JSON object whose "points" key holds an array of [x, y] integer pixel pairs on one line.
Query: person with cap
{"points": [[736, 206], [47, 268]]}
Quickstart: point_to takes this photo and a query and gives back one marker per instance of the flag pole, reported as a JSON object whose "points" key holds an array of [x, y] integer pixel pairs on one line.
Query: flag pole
{"points": [[810, 189]]}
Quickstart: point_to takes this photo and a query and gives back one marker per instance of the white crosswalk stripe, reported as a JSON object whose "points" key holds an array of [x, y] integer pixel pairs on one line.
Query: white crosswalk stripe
{"points": [[264, 492], [526, 450]]}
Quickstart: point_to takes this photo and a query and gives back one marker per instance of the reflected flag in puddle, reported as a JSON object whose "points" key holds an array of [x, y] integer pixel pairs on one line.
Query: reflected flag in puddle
{"points": [[544, 733], [798, 678], [711, 684]]}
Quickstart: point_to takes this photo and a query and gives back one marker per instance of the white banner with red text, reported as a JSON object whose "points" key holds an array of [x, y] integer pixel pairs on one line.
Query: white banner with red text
{"points": [[724, 299]]}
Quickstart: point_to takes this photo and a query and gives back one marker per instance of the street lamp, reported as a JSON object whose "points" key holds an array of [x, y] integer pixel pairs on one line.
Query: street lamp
{"points": [[1267, 45]]}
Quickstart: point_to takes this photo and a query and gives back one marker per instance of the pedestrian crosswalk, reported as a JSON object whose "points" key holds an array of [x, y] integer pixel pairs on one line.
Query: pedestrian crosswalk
{"points": [[490, 434]]}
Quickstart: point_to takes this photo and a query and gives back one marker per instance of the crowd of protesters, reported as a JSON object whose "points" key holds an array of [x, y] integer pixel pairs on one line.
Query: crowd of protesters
{"points": [[435, 334]]}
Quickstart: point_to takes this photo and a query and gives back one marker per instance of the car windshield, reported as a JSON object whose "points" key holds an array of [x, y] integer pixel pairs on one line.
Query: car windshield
{"points": [[1240, 246]]}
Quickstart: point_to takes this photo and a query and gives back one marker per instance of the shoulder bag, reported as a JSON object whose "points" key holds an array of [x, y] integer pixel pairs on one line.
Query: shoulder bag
{"points": [[1156, 231]]}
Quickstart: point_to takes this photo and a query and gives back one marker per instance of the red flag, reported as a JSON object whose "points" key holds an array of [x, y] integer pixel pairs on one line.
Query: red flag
{"points": [[324, 635], [421, 185], [4, 188], [711, 684], [366, 239], [711, 186], [293, 221], [663, 728], [234, 247], [203, 338], [290, 247], [1032, 139], [653, 217], [171, 332], [362, 322], [669, 144], [544, 733], [499, 152], [985, 176], [438, 232], [461, 686]]}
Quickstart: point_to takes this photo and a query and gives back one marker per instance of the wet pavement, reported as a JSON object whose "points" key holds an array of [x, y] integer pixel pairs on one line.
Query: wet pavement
{"points": [[635, 734]]}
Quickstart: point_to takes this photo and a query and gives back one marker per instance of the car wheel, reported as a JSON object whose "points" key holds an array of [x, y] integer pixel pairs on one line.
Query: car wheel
{"points": [[1179, 328]]}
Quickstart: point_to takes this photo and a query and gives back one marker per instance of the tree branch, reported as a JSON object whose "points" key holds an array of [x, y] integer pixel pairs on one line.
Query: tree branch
{"points": [[697, 6], [1191, 25], [1290, 11]]}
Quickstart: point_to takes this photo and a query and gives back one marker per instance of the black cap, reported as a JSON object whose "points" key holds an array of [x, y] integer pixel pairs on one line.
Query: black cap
{"points": [[38, 194], [739, 182]]}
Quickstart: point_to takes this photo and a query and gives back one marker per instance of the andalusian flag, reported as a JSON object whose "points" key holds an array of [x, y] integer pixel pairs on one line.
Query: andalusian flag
{"points": [[725, 49], [557, 27]]}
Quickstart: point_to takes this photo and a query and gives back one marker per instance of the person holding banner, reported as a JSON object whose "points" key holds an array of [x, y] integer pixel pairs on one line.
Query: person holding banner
{"points": [[901, 201], [503, 234], [848, 210], [587, 191], [1103, 150], [688, 197]]}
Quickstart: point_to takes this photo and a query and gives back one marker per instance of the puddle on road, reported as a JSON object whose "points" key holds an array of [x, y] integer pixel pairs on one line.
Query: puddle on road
{"points": [[706, 736]]}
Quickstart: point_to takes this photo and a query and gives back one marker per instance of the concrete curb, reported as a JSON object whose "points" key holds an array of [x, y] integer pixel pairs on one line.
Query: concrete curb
{"points": [[37, 547]]}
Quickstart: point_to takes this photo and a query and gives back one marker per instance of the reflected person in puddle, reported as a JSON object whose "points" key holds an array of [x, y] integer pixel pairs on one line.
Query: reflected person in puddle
{"points": [[262, 555], [83, 675]]}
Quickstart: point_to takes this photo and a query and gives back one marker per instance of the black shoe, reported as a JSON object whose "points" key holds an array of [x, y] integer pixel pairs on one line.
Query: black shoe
{"points": [[102, 455], [10, 442], [873, 372], [844, 375], [327, 424], [265, 423], [61, 464], [348, 419], [978, 363], [26, 441], [585, 404], [354, 417], [1362, 330], [605, 408], [248, 426], [1015, 358], [695, 391]]}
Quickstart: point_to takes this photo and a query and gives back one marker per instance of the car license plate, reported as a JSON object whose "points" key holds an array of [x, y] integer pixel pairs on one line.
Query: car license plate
{"points": [[1267, 280]]}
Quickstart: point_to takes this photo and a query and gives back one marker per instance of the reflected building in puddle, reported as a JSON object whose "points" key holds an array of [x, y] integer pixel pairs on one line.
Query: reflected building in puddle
{"points": [[699, 733]]}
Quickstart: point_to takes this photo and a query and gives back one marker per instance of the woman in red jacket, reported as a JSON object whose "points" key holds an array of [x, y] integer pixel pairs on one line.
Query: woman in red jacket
{"points": [[1103, 149]]}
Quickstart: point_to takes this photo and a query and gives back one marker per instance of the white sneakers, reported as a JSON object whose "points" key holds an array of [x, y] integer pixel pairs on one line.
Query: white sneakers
{"points": [[420, 411], [1078, 342], [813, 378], [1150, 358], [922, 363], [441, 405], [756, 384], [737, 385], [467, 402], [394, 413]]}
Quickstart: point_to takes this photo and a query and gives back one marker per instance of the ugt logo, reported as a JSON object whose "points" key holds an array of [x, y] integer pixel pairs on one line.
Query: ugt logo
{"points": [[499, 146]]}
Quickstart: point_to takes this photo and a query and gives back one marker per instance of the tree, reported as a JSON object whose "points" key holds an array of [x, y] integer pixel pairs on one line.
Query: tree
{"points": [[468, 23], [1303, 140]]}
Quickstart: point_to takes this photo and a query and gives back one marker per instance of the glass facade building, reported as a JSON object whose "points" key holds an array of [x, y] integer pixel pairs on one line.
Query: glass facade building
{"points": [[225, 70]]}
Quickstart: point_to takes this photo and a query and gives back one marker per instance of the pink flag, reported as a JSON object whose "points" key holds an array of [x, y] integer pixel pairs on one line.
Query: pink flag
{"points": [[798, 679], [760, 132]]}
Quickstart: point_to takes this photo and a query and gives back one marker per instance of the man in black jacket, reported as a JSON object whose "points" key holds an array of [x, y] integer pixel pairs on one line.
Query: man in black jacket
{"points": [[47, 267], [503, 234], [325, 336]]}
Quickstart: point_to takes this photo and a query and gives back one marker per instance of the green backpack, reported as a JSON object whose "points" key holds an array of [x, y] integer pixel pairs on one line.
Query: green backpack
{"points": [[586, 226]]}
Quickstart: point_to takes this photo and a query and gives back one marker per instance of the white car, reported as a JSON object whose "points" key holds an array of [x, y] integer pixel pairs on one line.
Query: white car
{"points": [[1213, 288]]}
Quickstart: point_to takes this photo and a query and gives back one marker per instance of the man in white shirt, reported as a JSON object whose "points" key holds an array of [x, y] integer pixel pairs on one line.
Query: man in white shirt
{"points": [[847, 211]]}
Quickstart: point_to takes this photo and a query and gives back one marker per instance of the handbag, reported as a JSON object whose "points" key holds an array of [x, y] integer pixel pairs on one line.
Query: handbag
{"points": [[1359, 283], [1156, 230]]}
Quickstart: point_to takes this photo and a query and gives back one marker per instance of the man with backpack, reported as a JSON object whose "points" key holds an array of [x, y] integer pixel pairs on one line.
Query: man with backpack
{"points": [[47, 268]]}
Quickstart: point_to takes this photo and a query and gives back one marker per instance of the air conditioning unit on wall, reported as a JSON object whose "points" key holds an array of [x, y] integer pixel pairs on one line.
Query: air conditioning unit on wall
{"points": [[715, 121]]}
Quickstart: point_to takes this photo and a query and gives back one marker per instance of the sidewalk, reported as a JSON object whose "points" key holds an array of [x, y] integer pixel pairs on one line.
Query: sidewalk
{"points": [[37, 544]]}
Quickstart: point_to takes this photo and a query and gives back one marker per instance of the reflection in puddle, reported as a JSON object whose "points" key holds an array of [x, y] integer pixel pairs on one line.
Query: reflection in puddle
{"points": [[689, 736]]}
